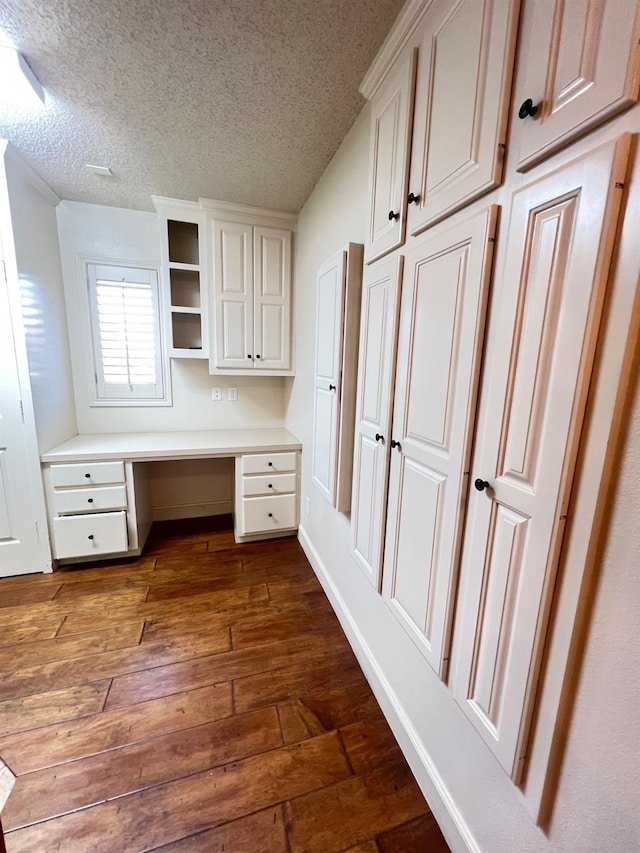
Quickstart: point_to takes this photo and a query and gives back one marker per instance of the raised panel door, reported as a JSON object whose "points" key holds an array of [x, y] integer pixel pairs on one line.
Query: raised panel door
{"points": [[376, 374], [559, 245], [580, 61], [233, 294], [272, 298], [462, 104], [391, 122], [444, 297]]}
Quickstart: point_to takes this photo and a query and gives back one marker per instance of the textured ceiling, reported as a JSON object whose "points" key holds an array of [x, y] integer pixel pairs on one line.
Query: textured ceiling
{"points": [[240, 100]]}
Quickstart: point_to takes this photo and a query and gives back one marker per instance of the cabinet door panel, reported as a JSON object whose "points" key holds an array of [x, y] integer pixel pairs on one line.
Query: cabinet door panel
{"points": [[272, 302], [462, 98], [376, 373], [580, 67], [444, 296], [391, 120], [560, 237], [232, 293]]}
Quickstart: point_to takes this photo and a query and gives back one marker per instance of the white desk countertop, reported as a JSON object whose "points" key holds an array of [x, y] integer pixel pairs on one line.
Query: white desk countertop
{"points": [[193, 444]]}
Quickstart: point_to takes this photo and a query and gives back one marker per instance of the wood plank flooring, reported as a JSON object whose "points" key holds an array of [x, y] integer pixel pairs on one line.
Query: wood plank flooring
{"points": [[200, 698]]}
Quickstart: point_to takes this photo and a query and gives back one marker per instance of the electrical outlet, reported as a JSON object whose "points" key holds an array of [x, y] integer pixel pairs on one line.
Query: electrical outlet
{"points": [[232, 393], [307, 505], [216, 393]]}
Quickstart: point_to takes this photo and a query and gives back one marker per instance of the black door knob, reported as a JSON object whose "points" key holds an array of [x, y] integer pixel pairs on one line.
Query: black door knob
{"points": [[413, 199], [379, 437], [395, 444], [527, 108], [393, 216], [332, 387], [481, 485]]}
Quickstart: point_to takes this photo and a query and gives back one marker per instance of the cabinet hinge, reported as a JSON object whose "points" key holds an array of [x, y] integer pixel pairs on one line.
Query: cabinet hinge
{"points": [[619, 185], [37, 530], [501, 146], [491, 239]]}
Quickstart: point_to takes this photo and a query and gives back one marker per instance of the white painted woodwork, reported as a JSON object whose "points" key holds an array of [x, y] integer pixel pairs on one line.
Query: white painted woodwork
{"points": [[442, 317], [87, 474], [338, 290], [553, 284], [270, 484], [89, 500], [233, 294], [463, 90], [89, 535], [265, 463], [376, 372], [581, 65], [266, 496], [262, 515], [272, 298], [391, 121]]}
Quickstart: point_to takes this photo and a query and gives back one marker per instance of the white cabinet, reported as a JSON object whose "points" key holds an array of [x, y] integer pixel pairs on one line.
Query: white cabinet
{"points": [[457, 132], [266, 495], [251, 297], [580, 66], [537, 375], [338, 290]]}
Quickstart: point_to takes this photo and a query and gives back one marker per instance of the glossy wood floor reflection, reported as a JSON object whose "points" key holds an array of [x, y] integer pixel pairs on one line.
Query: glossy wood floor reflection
{"points": [[200, 698]]}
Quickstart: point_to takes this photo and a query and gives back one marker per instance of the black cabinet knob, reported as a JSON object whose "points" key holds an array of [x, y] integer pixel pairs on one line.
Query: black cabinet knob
{"points": [[87, 476], [481, 485], [332, 387], [257, 356], [413, 198], [527, 108], [395, 444], [249, 356], [379, 437], [269, 486], [270, 515], [270, 464], [90, 536], [393, 216], [89, 500]]}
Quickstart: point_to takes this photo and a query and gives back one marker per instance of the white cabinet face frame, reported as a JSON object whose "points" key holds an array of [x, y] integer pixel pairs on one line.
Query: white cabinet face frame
{"points": [[463, 94], [559, 244], [391, 123], [233, 294], [272, 298], [442, 318], [376, 377], [580, 66]]}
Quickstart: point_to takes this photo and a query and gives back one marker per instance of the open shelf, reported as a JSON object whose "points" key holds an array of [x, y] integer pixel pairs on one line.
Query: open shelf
{"points": [[185, 288], [186, 331], [183, 242]]}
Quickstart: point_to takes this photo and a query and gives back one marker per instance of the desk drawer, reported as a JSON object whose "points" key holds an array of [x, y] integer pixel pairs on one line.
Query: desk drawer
{"points": [[89, 500], [87, 474], [261, 515], [89, 535], [272, 484], [267, 463]]}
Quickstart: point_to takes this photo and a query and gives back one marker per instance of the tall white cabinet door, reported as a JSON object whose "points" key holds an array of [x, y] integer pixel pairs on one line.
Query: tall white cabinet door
{"points": [[444, 297], [329, 305], [580, 66], [391, 120], [272, 300], [233, 294], [559, 243], [376, 374], [463, 92]]}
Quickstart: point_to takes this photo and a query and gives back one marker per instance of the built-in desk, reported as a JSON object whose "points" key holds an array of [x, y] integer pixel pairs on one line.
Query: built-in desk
{"points": [[98, 495]]}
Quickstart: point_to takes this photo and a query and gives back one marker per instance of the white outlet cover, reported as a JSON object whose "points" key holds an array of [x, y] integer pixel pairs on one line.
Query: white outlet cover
{"points": [[216, 393], [232, 393]]}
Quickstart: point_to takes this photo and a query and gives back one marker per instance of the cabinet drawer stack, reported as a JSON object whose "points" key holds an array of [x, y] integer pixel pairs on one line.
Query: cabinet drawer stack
{"points": [[88, 508], [266, 495]]}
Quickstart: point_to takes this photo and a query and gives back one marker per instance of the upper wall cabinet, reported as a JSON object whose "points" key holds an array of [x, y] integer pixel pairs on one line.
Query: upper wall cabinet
{"points": [[464, 53], [580, 67]]}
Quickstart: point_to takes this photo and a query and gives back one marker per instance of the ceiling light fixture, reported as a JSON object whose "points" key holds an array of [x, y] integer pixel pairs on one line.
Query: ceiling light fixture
{"points": [[18, 84]]}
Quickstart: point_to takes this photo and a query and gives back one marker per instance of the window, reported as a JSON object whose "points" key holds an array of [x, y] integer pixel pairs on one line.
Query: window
{"points": [[125, 326]]}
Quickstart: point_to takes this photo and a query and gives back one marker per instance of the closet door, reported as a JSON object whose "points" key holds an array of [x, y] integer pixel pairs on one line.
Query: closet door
{"points": [[580, 66], [463, 92], [233, 294], [559, 242], [329, 314], [444, 297], [376, 373], [272, 298], [391, 120]]}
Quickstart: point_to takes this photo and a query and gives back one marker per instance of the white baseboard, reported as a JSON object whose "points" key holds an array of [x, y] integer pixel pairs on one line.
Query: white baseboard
{"points": [[446, 812], [169, 513]]}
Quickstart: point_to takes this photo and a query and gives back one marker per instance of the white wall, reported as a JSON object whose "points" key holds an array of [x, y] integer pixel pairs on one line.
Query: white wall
{"points": [[111, 233], [595, 807], [45, 323]]}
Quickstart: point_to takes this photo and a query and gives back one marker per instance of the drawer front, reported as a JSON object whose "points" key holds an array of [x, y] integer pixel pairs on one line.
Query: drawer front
{"points": [[265, 463], [89, 500], [271, 484], [261, 515], [88, 535], [87, 474]]}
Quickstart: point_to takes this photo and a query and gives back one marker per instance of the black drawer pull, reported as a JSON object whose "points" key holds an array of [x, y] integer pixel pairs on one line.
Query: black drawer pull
{"points": [[89, 500], [481, 485], [269, 486], [527, 108], [270, 464], [270, 515], [90, 536], [379, 437], [413, 199], [395, 444], [87, 475], [393, 216]]}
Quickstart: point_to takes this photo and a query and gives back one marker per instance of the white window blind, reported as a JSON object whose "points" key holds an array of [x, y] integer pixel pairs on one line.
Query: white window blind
{"points": [[126, 332]]}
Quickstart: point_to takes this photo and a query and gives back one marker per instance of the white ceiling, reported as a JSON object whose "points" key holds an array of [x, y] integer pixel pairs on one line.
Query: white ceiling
{"points": [[239, 100]]}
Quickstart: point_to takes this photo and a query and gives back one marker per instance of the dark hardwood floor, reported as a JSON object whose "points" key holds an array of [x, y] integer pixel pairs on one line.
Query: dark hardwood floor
{"points": [[200, 698]]}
